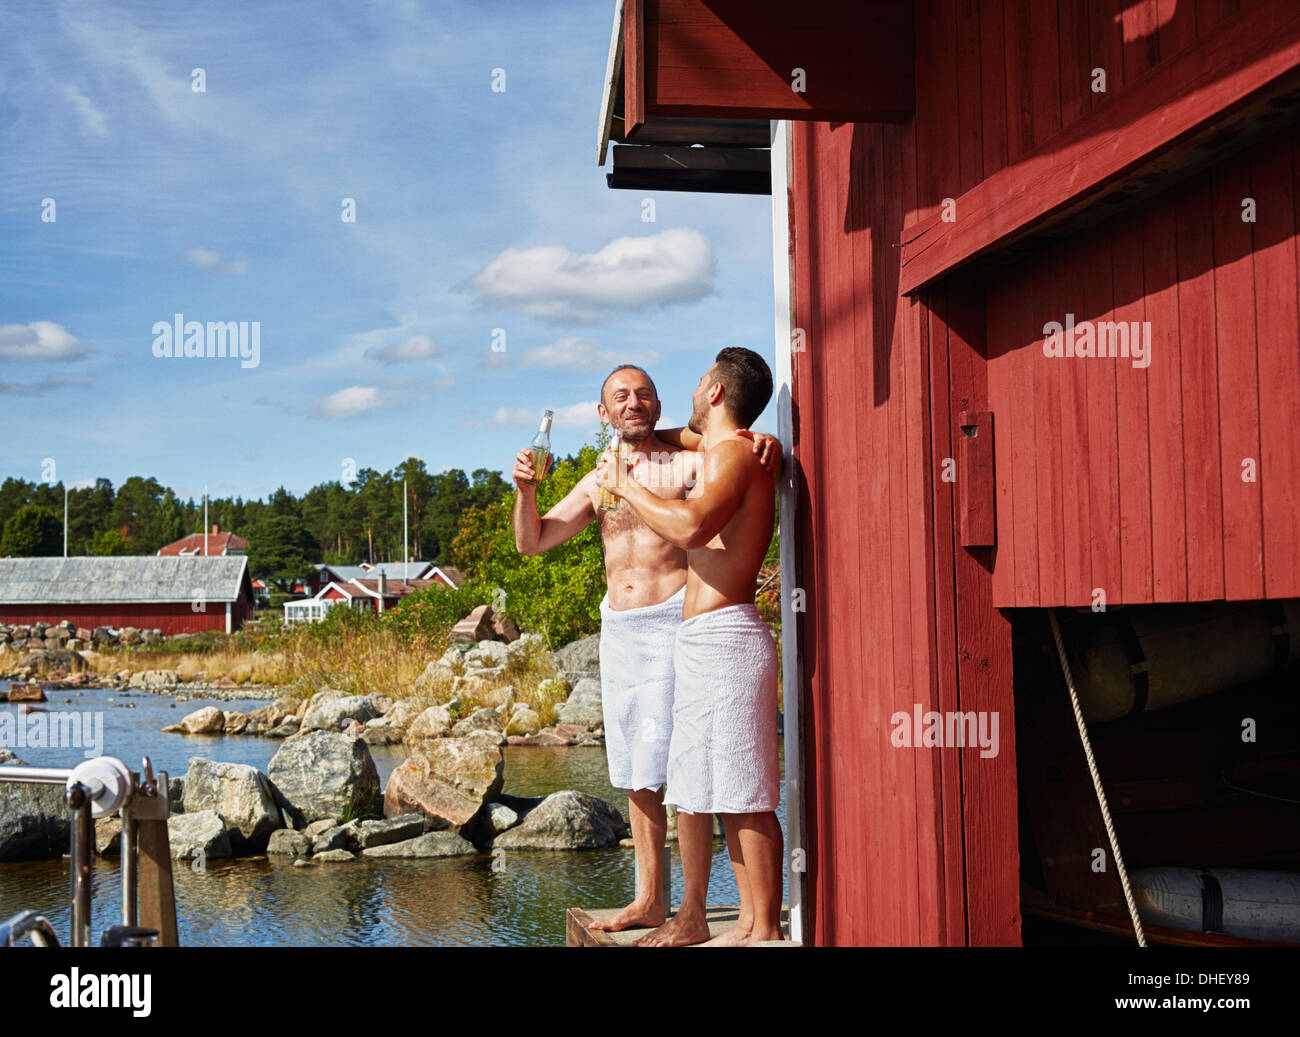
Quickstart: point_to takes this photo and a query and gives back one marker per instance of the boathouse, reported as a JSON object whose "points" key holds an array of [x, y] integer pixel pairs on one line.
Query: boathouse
{"points": [[178, 594], [1038, 359]]}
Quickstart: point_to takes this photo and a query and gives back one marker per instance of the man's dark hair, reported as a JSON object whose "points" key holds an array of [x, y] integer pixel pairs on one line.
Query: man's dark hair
{"points": [[627, 367], [746, 383]]}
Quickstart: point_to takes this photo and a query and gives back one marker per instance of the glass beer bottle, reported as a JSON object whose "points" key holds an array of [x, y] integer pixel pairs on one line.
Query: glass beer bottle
{"points": [[608, 501], [540, 447]]}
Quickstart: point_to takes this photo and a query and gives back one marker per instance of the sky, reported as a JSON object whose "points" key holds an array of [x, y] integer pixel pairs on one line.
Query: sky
{"points": [[203, 160]]}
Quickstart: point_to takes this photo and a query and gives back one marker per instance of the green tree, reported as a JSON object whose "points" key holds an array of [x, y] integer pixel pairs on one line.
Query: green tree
{"points": [[557, 593], [32, 531], [110, 542], [282, 550]]}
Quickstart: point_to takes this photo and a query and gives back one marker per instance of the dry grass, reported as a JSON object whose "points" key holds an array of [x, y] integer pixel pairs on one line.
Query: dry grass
{"points": [[378, 661]]}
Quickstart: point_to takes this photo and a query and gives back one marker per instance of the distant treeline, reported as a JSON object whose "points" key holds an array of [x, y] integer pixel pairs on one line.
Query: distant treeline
{"points": [[329, 523]]}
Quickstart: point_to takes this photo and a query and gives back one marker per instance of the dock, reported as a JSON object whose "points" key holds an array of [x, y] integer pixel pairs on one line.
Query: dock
{"points": [[578, 931]]}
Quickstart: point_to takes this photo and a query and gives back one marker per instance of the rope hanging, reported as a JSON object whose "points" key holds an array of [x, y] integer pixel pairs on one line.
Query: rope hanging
{"points": [[1096, 783]]}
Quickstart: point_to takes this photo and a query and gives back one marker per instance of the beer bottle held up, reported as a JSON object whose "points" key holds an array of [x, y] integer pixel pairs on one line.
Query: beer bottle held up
{"points": [[540, 447], [609, 502]]}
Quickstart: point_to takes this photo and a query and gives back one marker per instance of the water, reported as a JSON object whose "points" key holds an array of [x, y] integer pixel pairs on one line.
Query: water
{"points": [[269, 902]]}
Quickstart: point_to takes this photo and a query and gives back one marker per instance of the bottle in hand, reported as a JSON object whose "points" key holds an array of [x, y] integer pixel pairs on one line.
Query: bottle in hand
{"points": [[540, 447], [609, 502]]}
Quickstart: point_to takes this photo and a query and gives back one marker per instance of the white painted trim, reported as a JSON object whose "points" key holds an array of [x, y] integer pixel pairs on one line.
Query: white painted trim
{"points": [[228, 617], [612, 68], [791, 679]]}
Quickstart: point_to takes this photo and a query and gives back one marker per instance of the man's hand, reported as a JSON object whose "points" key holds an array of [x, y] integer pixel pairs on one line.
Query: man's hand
{"points": [[768, 449], [523, 474], [612, 471]]}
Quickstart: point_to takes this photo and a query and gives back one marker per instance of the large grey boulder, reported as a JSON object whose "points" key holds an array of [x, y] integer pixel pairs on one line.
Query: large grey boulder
{"points": [[326, 775], [431, 844], [199, 834], [243, 797], [446, 780], [33, 822], [335, 713], [583, 709], [580, 658], [566, 821]]}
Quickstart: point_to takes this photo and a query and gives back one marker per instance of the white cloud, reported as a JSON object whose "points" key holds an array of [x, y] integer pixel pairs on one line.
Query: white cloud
{"points": [[577, 415], [417, 347], [553, 283], [206, 259], [39, 340], [584, 355], [92, 119], [348, 403]]}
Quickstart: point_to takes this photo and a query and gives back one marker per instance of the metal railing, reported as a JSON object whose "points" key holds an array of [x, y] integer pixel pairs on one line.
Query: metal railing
{"points": [[28, 923], [93, 789]]}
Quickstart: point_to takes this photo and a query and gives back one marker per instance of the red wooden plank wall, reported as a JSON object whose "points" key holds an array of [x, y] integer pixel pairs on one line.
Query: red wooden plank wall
{"points": [[1178, 481], [866, 635], [176, 618], [906, 845], [1106, 474]]}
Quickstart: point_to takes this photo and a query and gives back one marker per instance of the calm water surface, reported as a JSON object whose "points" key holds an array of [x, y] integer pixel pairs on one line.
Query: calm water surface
{"points": [[454, 902]]}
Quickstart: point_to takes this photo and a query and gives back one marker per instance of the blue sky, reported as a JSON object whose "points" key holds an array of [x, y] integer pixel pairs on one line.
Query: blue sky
{"points": [[475, 210]]}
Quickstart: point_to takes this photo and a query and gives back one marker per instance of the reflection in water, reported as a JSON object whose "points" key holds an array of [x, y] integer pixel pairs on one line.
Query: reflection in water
{"points": [[459, 901]]}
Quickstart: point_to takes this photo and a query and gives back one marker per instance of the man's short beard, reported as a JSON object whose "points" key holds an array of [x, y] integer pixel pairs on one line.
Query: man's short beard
{"points": [[636, 437]]}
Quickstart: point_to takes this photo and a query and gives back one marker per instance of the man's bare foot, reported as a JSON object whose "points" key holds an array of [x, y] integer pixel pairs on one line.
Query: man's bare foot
{"points": [[634, 916], [682, 930], [736, 936]]}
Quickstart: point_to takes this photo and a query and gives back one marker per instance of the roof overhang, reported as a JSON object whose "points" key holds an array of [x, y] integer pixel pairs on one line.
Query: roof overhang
{"points": [[692, 86]]}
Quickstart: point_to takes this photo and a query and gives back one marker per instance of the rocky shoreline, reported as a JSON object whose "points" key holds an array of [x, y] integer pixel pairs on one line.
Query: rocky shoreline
{"points": [[319, 799]]}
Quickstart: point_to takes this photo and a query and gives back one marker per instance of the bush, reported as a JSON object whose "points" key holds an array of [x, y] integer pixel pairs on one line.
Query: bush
{"points": [[433, 612]]}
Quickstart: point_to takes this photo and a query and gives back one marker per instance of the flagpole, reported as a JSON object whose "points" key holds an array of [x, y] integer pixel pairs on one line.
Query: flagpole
{"points": [[406, 556], [205, 520]]}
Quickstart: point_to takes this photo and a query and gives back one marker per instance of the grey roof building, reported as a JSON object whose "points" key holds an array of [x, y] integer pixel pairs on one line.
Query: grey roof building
{"points": [[177, 594]]}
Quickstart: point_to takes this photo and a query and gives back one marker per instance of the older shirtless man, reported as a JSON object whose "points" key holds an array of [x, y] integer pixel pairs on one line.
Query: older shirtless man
{"points": [[642, 609], [722, 757]]}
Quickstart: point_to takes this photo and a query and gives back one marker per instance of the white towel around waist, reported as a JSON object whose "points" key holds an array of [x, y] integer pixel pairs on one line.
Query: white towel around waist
{"points": [[636, 689], [722, 757]]}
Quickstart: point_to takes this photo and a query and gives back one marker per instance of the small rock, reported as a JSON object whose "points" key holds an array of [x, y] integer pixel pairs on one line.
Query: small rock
{"points": [[524, 722], [206, 721], [500, 817], [389, 830], [431, 844], [335, 855], [485, 719], [434, 722], [288, 843]]}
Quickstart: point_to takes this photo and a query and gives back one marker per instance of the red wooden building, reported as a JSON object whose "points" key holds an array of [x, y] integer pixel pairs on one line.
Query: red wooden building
{"points": [[1038, 348], [183, 594]]}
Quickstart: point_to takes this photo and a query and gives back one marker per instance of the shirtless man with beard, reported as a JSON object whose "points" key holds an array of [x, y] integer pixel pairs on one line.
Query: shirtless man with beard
{"points": [[642, 609]]}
